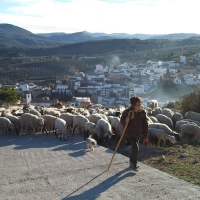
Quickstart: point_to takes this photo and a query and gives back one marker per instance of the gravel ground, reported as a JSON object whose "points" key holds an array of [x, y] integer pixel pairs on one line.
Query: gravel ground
{"points": [[46, 168]]}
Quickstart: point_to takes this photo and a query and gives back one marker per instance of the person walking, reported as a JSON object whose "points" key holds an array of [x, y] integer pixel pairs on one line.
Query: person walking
{"points": [[137, 128]]}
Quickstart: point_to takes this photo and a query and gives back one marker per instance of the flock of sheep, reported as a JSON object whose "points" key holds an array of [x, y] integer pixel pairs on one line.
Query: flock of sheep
{"points": [[98, 122]]}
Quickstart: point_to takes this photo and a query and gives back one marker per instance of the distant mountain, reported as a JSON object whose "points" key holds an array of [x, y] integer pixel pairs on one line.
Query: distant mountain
{"points": [[14, 36], [175, 36], [50, 34], [77, 37], [86, 36]]}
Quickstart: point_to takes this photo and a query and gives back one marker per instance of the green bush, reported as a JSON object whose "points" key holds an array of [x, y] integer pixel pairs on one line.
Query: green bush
{"points": [[191, 101], [9, 95]]}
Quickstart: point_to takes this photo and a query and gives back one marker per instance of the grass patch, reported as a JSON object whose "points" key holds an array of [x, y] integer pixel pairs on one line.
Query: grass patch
{"points": [[186, 171], [186, 168]]}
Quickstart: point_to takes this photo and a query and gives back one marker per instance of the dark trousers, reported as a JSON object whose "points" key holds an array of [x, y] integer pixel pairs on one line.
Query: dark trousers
{"points": [[134, 150]]}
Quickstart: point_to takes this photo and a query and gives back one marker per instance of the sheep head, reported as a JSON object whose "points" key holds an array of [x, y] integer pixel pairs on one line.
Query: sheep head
{"points": [[41, 121], [109, 134], [172, 139]]}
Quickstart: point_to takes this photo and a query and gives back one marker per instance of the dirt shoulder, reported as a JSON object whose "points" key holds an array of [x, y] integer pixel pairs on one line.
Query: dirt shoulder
{"points": [[181, 161]]}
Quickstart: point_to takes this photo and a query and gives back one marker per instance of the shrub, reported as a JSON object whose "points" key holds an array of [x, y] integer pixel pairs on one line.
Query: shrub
{"points": [[191, 101], [9, 95]]}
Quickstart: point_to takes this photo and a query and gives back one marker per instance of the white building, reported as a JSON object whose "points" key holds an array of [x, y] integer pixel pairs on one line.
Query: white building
{"points": [[24, 87], [138, 89], [162, 70], [188, 78], [108, 101], [76, 101], [77, 85], [172, 70], [28, 98], [183, 60], [173, 64], [177, 80], [90, 77], [143, 71], [99, 69], [61, 87]]}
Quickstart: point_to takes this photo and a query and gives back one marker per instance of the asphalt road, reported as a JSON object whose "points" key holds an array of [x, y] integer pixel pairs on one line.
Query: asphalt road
{"points": [[46, 168]]}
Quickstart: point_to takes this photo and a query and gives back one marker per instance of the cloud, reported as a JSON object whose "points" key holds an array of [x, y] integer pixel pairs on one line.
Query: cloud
{"points": [[109, 16]]}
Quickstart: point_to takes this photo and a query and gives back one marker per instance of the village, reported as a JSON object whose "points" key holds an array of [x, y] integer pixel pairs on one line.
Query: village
{"points": [[113, 85]]}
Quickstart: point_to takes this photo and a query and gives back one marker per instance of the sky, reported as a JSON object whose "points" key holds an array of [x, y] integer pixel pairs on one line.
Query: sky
{"points": [[105, 16]]}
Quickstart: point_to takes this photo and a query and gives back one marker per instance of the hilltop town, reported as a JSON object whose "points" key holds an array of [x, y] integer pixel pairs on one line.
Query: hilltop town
{"points": [[112, 85]]}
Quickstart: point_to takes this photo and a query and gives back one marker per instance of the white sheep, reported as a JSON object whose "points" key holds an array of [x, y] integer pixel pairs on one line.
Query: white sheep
{"points": [[49, 122], [153, 119], [149, 121], [165, 120], [161, 135], [192, 115], [15, 120], [79, 121], [6, 112], [167, 112], [91, 143], [156, 111], [152, 103], [51, 111], [179, 123], [103, 116], [177, 117], [193, 121], [190, 130], [33, 111], [91, 128], [60, 124], [5, 124], [106, 130], [118, 129], [68, 117], [112, 120], [29, 120], [166, 129], [95, 117]]}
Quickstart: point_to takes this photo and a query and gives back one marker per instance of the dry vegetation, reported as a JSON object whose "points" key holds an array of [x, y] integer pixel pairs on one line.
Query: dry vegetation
{"points": [[169, 159]]}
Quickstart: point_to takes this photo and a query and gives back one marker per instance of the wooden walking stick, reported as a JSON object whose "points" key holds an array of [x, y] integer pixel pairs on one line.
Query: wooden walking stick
{"points": [[129, 114]]}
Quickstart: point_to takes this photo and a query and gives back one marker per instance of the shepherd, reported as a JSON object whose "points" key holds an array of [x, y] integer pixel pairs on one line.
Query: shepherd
{"points": [[137, 128]]}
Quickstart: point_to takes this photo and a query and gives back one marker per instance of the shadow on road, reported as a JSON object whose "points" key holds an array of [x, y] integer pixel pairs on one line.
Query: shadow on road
{"points": [[96, 191], [28, 141]]}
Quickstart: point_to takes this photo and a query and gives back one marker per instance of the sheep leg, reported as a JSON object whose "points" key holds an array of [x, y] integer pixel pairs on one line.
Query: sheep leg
{"points": [[21, 130], [159, 142], [34, 132], [164, 142], [56, 133], [74, 127], [65, 137]]}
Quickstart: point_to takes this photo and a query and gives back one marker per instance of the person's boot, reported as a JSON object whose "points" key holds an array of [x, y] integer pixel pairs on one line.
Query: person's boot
{"points": [[135, 167]]}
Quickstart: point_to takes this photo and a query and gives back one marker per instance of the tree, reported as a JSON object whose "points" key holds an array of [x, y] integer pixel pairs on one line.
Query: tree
{"points": [[9, 95]]}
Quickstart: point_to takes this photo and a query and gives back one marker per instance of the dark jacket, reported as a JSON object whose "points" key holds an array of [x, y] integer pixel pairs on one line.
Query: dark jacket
{"points": [[138, 126]]}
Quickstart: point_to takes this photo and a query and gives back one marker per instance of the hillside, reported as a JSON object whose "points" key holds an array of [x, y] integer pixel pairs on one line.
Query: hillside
{"points": [[14, 36], [88, 48]]}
